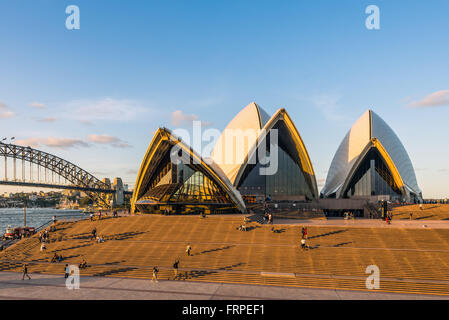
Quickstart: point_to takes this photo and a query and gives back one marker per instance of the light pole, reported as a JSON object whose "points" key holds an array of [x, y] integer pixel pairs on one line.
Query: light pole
{"points": [[24, 213]]}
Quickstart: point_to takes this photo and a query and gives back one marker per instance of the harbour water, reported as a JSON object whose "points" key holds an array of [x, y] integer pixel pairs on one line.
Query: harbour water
{"points": [[35, 216]]}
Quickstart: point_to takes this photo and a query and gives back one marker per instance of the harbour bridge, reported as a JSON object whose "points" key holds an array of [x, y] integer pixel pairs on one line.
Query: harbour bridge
{"points": [[44, 170]]}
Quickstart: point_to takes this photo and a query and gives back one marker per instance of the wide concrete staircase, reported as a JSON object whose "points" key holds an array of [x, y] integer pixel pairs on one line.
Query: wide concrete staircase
{"points": [[410, 260]]}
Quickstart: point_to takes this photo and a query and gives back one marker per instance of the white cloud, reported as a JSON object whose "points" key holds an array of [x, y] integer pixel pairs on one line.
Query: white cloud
{"points": [[87, 111], [52, 142], [48, 119], [106, 139], [5, 112], [179, 119], [37, 105], [66, 143], [438, 98], [86, 122]]}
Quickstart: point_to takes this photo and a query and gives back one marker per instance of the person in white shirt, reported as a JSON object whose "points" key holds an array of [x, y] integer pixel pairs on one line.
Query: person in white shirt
{"points": [[303, 243]]}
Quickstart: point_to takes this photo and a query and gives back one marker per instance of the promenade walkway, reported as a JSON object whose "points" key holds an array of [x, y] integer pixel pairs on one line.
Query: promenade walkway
{"points": [[51, 287]]}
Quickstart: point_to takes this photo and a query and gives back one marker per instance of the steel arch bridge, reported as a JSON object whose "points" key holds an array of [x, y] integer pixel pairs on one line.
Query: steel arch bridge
{"points": [[77, 178]]}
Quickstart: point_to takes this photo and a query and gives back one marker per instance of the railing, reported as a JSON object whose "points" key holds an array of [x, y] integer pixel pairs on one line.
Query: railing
{"points": [[46, 224], [72, 217], [6, 243]]}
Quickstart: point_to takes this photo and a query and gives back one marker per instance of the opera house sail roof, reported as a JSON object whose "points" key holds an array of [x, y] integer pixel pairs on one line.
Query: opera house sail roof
{"points": [[256, 156], [371, 160], [191, 184], [248, 122], [237, 153]]}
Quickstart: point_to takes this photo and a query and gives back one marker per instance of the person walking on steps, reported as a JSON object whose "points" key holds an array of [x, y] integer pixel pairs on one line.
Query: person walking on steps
{"points": [[303, 244], [175, 269], [25, 272], [155, 271]]}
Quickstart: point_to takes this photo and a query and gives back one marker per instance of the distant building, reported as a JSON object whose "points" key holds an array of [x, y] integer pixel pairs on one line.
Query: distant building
{"points": [[118, 196]]}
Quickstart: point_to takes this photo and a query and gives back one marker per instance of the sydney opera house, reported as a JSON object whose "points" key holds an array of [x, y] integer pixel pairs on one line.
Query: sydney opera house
{"points": [[371, 161], [260, 158]]}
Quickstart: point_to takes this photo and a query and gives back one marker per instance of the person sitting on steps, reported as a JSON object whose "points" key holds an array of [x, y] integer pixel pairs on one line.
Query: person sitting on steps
{"points": [[83, 264]]}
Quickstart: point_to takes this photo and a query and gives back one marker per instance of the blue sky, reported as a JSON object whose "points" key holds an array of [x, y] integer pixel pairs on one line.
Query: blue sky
{"points": [[95, 96]]}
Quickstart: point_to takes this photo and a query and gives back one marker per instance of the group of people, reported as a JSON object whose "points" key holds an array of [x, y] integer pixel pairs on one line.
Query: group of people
{"points": [[56, 258], [175, 265], [83, 264], [44, 236], [92, 216], [96, 237], [175, 270], [349, 215], [268, 217], [100, 239], [243, 226], [100, 214], [67, 270]]}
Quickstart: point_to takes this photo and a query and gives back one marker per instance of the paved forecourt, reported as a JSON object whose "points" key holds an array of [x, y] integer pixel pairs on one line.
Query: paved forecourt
{"points": [[410, 260], [51, 287]]}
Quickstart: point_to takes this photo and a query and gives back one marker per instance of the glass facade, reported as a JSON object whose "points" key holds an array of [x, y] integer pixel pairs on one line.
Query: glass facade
{"points": [[287, 182], [373, 177], [198, 188], [183, 189], [164, 168]]}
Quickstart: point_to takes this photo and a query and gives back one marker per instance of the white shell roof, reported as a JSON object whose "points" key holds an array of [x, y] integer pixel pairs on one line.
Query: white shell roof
{"points": [[367, 127], [229, 154]]}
